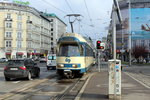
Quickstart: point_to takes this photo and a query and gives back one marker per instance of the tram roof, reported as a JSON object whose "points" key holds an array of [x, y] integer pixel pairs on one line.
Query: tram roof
{"points": [[81, 39]]}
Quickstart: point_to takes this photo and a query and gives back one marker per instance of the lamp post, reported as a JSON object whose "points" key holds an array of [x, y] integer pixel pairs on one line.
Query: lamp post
{"points": [[130, 33]]}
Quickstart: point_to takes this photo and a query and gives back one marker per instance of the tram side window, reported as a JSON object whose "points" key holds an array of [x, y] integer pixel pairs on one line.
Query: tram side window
{"points": [[89, 51]]}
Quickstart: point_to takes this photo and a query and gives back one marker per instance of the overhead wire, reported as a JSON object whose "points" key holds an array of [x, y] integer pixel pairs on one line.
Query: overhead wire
{"points": [[88, 12], [69, 6], [73, 12], [54, 7]]}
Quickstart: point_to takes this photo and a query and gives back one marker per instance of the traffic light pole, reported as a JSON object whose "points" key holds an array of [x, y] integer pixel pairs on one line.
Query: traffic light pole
{"points": [[99, 61]]}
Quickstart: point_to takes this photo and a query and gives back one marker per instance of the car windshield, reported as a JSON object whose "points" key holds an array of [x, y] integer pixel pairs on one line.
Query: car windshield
{"points": [[51, 57], [70, 50], [15, 62]]}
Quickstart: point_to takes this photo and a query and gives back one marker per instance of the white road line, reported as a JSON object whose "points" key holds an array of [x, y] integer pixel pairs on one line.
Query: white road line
{"points": [[16, 82], [137, 80], [83, 88], [1, 68]]}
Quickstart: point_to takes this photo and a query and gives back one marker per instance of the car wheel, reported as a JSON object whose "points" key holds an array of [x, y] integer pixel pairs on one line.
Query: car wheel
{"points": [[29, 76], [7, 79], [38, 73], [54, 68], [47, 68]]}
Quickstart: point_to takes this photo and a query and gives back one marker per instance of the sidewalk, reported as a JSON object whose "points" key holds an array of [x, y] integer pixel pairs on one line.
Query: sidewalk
{"points": [[97, 88]]}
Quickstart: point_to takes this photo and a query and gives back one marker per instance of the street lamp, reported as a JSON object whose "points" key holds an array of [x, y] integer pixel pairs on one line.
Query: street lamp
{"points": [[130, 32]]}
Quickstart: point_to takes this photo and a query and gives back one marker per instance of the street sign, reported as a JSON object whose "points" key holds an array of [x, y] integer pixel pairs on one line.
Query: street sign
{"points": [[122, 50]]}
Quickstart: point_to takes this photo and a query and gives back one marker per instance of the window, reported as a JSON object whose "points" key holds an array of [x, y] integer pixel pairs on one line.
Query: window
{"points": [[19, 35], [51, 29], [28, 18], [51, 34], [8, 43], [19, 26], [29, 44], [51, 20], [51, 38], [149, 43], [8, 34], [51, 24], [9, 16], [51, 43], [29, 35], [8, 25], [19, 17], [19, 44], [142, 42]]}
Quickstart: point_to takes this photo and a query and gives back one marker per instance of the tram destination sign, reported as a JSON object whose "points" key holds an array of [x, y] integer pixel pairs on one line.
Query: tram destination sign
{"points": [[21, 2]]}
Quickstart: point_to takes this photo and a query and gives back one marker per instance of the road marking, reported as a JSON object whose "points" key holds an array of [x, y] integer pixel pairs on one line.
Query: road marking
{"points": [[83, 88], [1, 69], [16, 82], [137, 80], [12, 93]]}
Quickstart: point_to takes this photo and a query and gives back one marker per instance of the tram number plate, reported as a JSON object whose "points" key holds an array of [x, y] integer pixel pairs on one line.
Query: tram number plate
{"points": [[67, 70]]}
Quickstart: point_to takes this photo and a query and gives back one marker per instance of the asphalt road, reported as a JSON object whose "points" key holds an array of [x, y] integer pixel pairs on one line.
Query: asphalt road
{"points": [[50, 87], [8, 86]]}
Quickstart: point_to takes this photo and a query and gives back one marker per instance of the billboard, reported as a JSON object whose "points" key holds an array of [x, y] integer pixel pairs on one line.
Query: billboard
{"points": [[140, 23]]}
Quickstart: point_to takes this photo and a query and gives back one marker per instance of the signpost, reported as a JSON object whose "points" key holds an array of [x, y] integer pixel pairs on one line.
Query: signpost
{"points": [[114, 64]]}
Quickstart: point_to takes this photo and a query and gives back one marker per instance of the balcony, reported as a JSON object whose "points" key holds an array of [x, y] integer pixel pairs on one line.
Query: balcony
{"points": [[8, 19], [8, 38], [28, 21], [29, 39]]}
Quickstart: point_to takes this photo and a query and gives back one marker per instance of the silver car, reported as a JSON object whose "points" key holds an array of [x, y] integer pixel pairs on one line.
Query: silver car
{"points": [[3, 59]]}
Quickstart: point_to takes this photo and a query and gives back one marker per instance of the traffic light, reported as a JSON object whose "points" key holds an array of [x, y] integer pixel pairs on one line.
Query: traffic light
{"points": [[98, 44]]}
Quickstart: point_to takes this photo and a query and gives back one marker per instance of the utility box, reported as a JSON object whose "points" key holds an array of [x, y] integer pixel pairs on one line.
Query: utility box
{"points": [[114, 79]]}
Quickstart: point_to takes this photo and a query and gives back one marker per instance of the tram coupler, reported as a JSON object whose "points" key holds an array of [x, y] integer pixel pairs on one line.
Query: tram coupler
{"points": [[68, 73]]}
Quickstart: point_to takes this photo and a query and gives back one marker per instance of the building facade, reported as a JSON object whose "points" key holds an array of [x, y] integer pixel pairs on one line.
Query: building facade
{"points": [[24, 31], [135, 15], [58, 28]]}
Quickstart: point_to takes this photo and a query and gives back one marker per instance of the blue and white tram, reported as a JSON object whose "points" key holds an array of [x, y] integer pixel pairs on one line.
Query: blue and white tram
{"points": [[74, 55]]}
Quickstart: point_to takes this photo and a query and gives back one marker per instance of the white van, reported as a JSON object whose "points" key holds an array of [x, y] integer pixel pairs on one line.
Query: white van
{"points": [[51, 61]]}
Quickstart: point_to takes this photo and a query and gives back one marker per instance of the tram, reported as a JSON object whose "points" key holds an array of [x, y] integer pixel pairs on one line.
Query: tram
{"points": [[75, 55]]}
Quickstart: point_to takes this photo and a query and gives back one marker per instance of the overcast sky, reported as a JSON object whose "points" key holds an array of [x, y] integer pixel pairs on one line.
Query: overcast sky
{"points": [[97, 10]]}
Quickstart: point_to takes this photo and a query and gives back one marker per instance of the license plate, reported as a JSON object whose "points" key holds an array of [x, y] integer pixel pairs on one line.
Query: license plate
{"points": [[67, 70], [13, 68]]}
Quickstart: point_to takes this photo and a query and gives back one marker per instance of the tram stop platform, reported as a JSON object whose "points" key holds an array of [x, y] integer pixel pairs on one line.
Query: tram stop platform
{"points": [[96, 88]]}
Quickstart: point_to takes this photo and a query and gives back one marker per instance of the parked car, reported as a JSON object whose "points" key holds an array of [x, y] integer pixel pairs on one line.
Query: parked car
{"points": [[3, 59], [51, 62], [21, 69], [42, 59]]}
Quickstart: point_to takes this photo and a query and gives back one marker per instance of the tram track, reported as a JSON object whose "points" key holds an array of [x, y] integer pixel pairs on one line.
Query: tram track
{"points": [[72, 92], [51, 88], [22, 89]]}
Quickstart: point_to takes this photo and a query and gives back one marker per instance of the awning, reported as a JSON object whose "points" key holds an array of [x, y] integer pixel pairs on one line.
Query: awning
{"points": [[19, 53], [8, 53], [29, 53], [37, 53]]}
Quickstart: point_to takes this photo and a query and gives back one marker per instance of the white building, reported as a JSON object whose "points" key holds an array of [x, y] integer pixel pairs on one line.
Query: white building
{"points": [[25, 32], [58, 28]]}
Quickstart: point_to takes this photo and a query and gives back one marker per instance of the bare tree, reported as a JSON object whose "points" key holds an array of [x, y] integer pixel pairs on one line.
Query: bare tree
{"points": [[139, 52]]}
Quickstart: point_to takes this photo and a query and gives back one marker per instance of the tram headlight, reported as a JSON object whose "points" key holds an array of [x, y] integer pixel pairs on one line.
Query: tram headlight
{"points": [[74, 66], [60, 65]]}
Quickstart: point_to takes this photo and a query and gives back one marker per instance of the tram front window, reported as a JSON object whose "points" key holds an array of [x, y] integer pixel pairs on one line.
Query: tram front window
{"points": [[69, 50]]}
